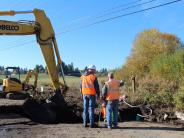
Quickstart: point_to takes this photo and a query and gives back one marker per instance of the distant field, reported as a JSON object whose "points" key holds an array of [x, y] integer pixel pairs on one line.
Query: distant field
{"points": [[43, 79]]}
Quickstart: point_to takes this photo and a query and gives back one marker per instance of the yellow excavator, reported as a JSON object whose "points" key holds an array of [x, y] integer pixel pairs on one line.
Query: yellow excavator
{"points": [[45, 36], [14, 88]]}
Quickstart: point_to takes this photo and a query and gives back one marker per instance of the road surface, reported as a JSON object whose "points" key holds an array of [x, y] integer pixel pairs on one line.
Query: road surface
{"points": [[15, 126]]}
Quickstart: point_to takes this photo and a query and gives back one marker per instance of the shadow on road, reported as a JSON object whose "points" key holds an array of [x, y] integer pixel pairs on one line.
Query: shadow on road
{"points": [[19, 123], [153, 128]]}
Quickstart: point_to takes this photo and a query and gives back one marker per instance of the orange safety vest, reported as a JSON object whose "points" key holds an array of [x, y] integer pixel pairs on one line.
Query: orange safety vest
{"points": [[113, 90], [88, 84]]}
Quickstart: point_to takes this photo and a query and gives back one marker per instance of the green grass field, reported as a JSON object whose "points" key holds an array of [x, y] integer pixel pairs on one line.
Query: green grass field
{"points": [[43, 79]]}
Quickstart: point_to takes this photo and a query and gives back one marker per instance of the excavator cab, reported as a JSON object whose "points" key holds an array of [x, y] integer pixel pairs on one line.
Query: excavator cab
{"points": [[12, 82], [11, 71]]}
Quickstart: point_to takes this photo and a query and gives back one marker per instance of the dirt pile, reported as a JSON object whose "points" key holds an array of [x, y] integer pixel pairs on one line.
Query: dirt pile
{"points": [[54, 111]]}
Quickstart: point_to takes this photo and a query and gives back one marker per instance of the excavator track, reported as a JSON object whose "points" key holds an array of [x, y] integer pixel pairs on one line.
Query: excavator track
{"points": [[17, 96]]}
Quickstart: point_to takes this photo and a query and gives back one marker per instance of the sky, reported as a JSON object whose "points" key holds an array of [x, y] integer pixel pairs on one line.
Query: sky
{"points": [[106, 45]]}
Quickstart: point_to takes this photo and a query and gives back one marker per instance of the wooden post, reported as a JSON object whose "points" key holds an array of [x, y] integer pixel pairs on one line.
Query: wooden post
{"points": [[133, 83]]}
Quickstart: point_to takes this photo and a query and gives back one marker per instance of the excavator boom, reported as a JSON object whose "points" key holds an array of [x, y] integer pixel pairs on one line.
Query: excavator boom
{"points": [[45, 35], [17, 28]]}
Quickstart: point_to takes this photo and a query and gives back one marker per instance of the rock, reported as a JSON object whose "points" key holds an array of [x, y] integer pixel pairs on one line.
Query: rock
{"points": [[165, 116], [179, 115]]}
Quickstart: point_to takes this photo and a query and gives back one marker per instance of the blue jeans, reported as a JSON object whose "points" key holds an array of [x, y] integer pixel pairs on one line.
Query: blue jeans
{"points": [[88, 105], [112, 113]]}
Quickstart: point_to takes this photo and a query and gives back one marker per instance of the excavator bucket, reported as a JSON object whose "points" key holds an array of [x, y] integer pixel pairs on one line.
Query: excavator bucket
{"points": [[40, 112], [43, 112], [55, 111]]}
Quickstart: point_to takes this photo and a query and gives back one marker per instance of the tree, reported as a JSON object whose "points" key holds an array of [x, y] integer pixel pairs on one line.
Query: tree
{"points": [[2, 70], [46, 71], [102, 72], [23, 70], [40, 68], [147, 45], [170, 66], [70, 67], [65, 68]]}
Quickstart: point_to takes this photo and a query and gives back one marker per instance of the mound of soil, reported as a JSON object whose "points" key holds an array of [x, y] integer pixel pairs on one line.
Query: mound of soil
{"points": [[55, 111]]}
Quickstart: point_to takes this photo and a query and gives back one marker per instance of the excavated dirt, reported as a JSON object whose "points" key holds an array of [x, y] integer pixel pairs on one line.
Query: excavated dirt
{"points": [[16, 123]]}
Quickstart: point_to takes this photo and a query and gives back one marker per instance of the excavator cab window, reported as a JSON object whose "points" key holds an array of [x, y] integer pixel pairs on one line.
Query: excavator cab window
{"points": [[11, 73]]}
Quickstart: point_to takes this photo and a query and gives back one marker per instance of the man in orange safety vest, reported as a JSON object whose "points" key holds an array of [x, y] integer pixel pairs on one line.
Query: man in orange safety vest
{"points": [[111, 95], [89, 88]]}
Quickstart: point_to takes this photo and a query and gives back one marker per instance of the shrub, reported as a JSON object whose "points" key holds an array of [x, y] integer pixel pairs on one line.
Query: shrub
{"points": [[179, 100], [168, 66], [153, 90]]}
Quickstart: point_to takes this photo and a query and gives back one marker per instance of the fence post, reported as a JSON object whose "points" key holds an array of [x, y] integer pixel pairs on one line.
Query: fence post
{"points": [[133, 84]]}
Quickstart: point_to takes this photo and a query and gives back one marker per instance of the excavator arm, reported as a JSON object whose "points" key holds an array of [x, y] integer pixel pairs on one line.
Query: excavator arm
{"points": [[31, 73], [45, 35]]}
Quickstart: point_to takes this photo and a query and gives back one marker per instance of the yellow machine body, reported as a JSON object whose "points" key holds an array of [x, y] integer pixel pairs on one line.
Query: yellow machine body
{"points": [[10, 85]]}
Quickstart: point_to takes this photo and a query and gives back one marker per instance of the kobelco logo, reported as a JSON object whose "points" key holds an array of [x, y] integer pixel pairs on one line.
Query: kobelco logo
{"points": [[9, 27]]}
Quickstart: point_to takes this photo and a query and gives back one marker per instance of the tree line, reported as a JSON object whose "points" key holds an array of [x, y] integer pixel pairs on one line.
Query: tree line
{"points": [[3, 70], [68, 69]]}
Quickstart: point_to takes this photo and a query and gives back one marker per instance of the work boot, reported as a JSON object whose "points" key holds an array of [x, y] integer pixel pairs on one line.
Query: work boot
{"points": [[109, 127], [116, 127], [85, 125], [93, 126]]}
